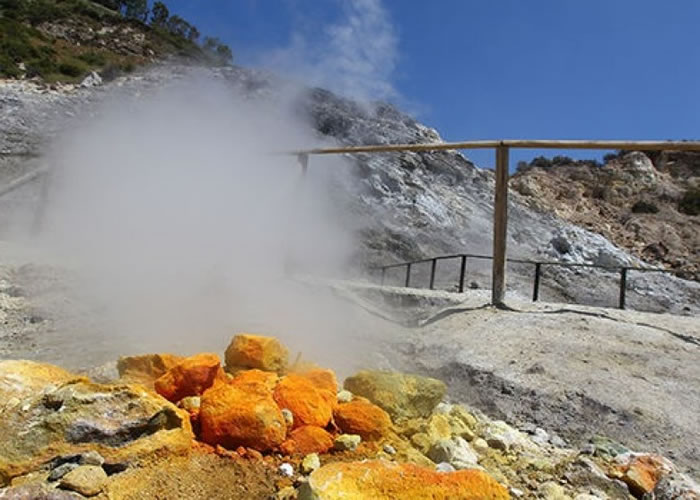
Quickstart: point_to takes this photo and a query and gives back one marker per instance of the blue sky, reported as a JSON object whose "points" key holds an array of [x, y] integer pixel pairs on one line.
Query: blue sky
{"points": [[487, 69]]}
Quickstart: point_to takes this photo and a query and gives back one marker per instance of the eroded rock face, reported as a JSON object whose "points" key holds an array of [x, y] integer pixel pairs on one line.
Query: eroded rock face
{"points": [[400, 395], [379, 480], [121, 422], [256, 351]]}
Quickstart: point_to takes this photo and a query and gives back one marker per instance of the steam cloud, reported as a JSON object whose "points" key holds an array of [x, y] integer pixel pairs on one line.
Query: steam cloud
{"points": [[355, 57], [184, 225]]}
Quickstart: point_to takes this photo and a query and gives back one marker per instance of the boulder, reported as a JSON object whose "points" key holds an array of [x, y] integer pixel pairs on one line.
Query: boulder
{"points": [[189, 378], [309, 405], [145, 369], [122, 423], [380, 480], [88, 480], [642, 472], [307, 439], [256, 351], [363, 418], [231, 416], [400, 395]]}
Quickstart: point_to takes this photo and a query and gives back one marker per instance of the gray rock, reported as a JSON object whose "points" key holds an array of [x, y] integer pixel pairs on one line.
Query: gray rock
{"points": [[286, 469], [444, 467], [388, 449], [62, 470], [455, 451], [675, 486], [288, 417], [92, 80], [540, 437]]}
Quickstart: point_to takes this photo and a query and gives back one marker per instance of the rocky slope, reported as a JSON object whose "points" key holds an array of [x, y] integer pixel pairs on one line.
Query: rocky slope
{"points": [[641, 202], [409, 205]]}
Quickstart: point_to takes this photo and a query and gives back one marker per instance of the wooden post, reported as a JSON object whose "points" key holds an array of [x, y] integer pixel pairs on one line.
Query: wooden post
{"points": [[408, 275], [500, 227], [432, 273], [623, 287], [536, 286]]}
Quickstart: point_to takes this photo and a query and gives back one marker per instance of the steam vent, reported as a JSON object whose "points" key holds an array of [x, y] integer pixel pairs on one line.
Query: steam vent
{"points": [[257, 426]]}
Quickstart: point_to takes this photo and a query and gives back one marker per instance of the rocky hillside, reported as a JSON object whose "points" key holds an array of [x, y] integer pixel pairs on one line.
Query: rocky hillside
{"points": [[648, 204], [406, 205]]}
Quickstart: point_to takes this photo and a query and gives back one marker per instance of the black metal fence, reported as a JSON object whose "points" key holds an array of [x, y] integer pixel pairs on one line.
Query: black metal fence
{"points": [[538, 267]]}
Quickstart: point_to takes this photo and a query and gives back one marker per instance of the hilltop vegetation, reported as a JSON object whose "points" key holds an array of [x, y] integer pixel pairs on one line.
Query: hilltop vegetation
{"points": [[647, 203], [63, 40]]}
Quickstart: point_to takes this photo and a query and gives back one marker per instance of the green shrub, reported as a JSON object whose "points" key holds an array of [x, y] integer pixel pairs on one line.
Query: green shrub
{"points": [[690, 203], [93, 58], [72, 69]]}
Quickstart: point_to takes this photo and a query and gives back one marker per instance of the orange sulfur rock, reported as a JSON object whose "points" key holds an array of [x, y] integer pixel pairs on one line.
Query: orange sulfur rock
{"points": [[146, 368], [255, 381], [326, 383], [232, 416], [307, 439], [381, 480], [359, 416], [256, 351], [308, 405], [191, 377], [642, 472]]}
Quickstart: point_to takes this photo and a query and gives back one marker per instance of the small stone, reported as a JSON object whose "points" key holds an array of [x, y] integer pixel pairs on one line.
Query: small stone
{"points": [[444, 467], [347, 442], [88, 480], [443, 408], [190, 403], [310, 463], [606, 447], [288, 417], [588, 449], [91, 458], [540, 437], [553, 491], [344, 396], [389, 449], [455, 451], [585, 496], [516, 492], [62, 470], [286, 469], [480, 446]]}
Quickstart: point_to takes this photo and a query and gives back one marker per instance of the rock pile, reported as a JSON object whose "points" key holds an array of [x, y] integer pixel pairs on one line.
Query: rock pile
{"points": [[383, 436]]}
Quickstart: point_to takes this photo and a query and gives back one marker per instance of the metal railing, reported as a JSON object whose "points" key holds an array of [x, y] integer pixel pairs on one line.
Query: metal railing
{"points": [[623, 272]]}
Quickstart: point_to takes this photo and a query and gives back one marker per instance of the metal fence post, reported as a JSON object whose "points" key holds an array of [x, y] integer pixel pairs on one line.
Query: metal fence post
{"points": [[623, 286], [462, 272], [432, 274], [408, 275], [536, 287], [383, 275]]}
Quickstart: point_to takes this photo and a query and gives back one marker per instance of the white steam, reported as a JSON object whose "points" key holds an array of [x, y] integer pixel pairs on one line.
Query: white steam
{"points": [[355, 57], [185, 225]]}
